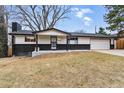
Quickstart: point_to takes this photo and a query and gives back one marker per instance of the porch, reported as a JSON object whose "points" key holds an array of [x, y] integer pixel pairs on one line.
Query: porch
{"points": [[51, 40]]}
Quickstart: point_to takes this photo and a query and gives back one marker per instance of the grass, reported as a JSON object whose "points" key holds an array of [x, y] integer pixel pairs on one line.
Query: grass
{"points": [[77, 69]]}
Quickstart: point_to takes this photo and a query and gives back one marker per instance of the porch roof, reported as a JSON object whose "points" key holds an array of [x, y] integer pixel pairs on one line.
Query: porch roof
{"points": [[51, 29]]}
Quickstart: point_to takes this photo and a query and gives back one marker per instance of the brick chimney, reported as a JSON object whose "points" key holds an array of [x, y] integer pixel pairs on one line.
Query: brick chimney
{"points": [[16, 27]]}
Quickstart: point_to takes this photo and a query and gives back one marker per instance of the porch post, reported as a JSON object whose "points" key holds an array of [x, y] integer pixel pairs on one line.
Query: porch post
{"points": [[67, 43], [36, 42]]}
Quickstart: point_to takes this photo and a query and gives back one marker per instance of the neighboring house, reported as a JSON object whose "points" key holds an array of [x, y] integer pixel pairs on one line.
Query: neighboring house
{"points": [[24, 42]]}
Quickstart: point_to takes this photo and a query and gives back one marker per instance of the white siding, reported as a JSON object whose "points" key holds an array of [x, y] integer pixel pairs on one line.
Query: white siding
{"points": [[20, 39], [100, 44], [61, 40], [112, 41], [115, 44], [43, 39], [83, 40], [52, 33], [46, 40]]}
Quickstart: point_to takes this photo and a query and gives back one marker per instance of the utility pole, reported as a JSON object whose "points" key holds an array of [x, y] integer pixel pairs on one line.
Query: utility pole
{"points": [[95, 29]]}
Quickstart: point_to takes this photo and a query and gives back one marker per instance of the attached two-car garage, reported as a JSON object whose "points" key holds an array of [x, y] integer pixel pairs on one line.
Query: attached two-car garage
{"points": [[100, 44], [96, 42]]}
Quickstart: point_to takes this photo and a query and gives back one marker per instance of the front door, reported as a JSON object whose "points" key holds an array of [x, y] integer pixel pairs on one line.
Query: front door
{"points": [[53, 42]]}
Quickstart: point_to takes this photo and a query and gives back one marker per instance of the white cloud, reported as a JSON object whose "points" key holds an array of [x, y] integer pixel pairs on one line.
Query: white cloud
{"points": [[87, 20], [75, 9], [86, 10], [81, 13]]}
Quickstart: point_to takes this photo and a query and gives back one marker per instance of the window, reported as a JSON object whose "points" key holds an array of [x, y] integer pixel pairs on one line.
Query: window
{"points": [[73, 40], [29, 39]]}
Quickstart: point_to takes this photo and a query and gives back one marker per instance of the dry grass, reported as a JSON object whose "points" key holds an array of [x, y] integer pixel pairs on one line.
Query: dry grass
{"points": [[79, 69]]}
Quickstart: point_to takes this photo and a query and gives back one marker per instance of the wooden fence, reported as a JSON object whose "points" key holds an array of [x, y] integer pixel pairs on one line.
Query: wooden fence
{"points": [[120, 44]]}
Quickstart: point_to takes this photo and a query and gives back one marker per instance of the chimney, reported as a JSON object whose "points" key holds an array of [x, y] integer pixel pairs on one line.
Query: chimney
{"points": [[16, 27]]}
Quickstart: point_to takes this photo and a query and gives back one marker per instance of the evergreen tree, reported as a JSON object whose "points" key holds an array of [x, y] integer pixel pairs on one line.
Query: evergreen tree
{"points": [[102, 31], [115, 17], [3, 42], [3, 33]]}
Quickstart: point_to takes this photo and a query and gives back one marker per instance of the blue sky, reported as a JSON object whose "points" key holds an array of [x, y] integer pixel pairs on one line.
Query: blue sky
{"points": [[84, 17]]}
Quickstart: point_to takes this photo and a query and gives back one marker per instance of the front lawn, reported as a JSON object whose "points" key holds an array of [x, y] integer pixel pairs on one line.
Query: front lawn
{"points": [[77, 69]]}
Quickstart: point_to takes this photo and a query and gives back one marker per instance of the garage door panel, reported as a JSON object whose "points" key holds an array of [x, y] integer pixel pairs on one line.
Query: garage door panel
{"points": [[100, 44]]}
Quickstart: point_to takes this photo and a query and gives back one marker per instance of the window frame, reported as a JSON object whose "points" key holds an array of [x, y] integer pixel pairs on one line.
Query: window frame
{"points": [[27, 39], [74, 39]]}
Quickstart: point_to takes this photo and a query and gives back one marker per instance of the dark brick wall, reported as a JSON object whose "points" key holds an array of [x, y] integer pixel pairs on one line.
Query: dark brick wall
{"points": [[26, 49], [111, 46], [79, 46]]}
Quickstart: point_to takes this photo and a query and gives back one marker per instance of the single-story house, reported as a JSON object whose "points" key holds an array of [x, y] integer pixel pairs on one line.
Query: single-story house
{"points": [[24, 42]]}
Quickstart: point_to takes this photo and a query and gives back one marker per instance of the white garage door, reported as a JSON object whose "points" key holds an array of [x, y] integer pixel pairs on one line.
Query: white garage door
{"points": [[100, 44]]}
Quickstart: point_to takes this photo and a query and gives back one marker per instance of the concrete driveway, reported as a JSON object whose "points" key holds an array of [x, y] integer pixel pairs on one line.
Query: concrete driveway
{"points": [[113, 52]]}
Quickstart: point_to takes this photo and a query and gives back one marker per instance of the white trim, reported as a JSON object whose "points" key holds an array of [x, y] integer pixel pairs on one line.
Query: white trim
{"points": [[52, 33]]}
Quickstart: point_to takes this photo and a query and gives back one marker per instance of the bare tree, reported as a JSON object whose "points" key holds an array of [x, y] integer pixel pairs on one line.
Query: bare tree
{"points": [[40, 17]]}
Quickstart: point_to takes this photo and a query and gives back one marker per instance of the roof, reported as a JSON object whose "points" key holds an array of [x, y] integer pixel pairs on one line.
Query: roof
{"points": [[22, 32], [90, 35], [29, 32], [79, 34]]}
